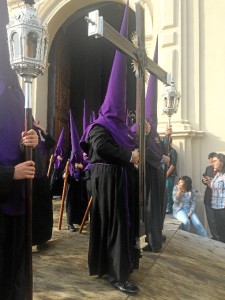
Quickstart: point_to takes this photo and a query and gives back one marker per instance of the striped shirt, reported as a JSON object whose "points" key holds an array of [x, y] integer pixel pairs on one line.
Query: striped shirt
{"points": [[218, 191]]}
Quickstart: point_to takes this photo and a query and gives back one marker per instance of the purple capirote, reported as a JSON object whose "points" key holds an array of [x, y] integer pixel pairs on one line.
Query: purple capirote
{"points": [[59, 151], [76, 155], [112, 113], [12, 119]]}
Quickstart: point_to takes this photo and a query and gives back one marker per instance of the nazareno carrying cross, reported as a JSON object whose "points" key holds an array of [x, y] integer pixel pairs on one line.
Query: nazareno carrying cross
{"points": [[99, 28]]}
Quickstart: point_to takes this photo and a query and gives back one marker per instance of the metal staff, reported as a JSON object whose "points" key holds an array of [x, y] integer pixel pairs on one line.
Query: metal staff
{"points": [[171, 99], [28, 216]]}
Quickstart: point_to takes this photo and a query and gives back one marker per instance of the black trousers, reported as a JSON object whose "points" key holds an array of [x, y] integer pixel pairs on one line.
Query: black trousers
{"points": [[220, 223]]}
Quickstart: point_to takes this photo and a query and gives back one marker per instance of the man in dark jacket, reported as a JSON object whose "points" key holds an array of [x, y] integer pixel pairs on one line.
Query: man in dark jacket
{"points": [[210, 173]]}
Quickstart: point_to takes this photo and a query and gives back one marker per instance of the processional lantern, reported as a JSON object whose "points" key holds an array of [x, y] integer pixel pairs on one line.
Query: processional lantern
{"points": [[28, 42], [170, 100]]}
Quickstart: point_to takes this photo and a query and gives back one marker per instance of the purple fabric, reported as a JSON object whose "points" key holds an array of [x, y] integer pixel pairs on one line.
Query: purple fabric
{"points": [[153, 141], [59, 150], [76, 152], [112, 114], [151, 96], [93, 116], [11, 126], [12, 118], [127, 118], [125, 138], [114, 105]]}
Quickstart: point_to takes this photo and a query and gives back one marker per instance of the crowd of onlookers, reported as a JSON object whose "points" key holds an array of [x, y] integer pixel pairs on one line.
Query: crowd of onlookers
{"points": [[182, 198]]}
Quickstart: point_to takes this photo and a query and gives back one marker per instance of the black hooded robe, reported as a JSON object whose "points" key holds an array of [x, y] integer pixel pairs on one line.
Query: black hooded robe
{"points": [[114, 226], [155, 198]]}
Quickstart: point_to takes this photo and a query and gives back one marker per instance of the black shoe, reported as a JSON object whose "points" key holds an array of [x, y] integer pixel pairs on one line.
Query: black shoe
{"points": [[147, 248], [127, 287], [71, 228], [163, 238], [42, 246]]}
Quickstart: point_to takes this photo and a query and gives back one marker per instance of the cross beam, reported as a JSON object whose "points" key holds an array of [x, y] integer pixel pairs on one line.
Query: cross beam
{"points": [[99, 28]]}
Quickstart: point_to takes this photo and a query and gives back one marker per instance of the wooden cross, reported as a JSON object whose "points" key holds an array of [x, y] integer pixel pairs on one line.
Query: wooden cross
{"points": [[99, 28]]}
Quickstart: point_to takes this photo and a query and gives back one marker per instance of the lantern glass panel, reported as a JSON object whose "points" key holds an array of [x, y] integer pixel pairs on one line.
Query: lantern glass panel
{"points": [[16, 45], [171, 103], [31, 45]]}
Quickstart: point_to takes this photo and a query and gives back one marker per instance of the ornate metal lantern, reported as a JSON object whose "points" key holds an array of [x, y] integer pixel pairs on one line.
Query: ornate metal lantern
{"points": [[170, 101], [28, 43]]}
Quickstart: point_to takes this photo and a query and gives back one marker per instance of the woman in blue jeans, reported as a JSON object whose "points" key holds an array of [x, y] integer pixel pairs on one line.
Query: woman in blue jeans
{"points": [[184, 203]]}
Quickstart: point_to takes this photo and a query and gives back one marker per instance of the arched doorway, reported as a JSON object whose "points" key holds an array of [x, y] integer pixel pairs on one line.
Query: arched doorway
{"points": [[80, 68]]}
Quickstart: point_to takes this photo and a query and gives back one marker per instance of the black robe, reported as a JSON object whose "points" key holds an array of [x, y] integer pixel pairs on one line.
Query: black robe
{"points": [[114, 227], [42, 210], [155, 205], [76, 200], [12, 244]]}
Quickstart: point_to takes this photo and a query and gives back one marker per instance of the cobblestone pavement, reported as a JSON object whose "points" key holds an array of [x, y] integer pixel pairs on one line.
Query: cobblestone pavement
{"points": [[188, 267]]}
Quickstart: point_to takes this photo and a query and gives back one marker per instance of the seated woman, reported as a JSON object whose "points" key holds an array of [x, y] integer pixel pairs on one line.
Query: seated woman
{"points": [[184, 203]]}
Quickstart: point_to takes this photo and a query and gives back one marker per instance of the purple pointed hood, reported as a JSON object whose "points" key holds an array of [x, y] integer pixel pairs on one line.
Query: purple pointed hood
{"points": [[114, 105], [12, 119], [151, 96], [76, 152], [12, 114], [112, 114], [59, 151], [153, 141]]}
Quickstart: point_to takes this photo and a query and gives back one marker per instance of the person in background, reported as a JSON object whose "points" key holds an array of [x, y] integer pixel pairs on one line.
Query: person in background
{"points": [[76, 199], [170, 176], [209, 173], [184, 203], [42, 218], [217, 185], [156, 161], [60, 158], [155, 207]]}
